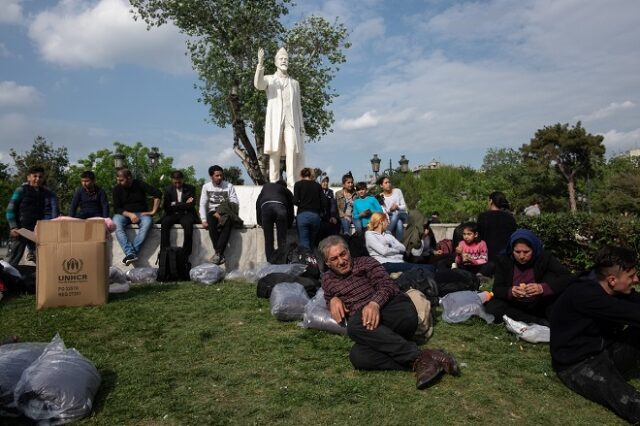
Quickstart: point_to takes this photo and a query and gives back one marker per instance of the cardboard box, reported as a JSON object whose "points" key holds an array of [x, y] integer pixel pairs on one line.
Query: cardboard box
{"points": [[72, 268]]}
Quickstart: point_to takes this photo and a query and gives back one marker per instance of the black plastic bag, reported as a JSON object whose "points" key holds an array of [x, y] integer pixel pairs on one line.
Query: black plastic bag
{"points": [[268, 282], [14, 359], [59, 387]]}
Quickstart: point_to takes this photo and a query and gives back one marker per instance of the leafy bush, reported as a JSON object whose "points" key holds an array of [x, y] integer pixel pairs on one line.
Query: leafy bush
{"points": [[574, 239]]}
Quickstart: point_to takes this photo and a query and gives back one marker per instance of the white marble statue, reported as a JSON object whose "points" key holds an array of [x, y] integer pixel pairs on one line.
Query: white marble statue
{"points": [[284, 126]]}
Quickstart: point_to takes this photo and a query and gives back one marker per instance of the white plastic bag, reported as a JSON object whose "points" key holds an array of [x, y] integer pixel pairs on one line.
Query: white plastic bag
{"points": [[59, 387], [116, 288], [532, 333], [317, 316], [459, 306], [288, 301], [207, 273], [8, 268], [142, 275], [289, 268], [14, 359]]}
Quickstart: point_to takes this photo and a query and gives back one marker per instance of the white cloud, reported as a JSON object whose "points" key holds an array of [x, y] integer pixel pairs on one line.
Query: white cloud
{"points": [[366, 120], [607, 111], [12, 95], [369, 29], [617, 142], [10, 11], [4, 51], [104, 34]]}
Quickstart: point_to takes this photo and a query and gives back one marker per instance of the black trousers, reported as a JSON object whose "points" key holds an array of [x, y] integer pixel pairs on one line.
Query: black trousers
{"points": [[388, 346], [535, 312], [16, 249], [603, 378], [219, 235], [167, 222], [274, 214]]}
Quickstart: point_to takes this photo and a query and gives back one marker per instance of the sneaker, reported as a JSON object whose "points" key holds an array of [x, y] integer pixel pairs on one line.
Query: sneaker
{"points": [[217, 259], [31, 257], [129, 259]]}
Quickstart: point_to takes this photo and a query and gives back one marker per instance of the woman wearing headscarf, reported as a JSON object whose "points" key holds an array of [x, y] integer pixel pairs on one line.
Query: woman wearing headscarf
{"points": [[527, 280]]}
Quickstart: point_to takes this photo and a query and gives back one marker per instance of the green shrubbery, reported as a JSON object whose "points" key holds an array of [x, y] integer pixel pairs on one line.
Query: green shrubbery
{"points": [[575, 238]]}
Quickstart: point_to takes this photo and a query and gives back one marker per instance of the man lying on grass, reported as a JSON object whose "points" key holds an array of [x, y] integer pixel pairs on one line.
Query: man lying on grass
{"points": [[595, 333], [379, 318]]}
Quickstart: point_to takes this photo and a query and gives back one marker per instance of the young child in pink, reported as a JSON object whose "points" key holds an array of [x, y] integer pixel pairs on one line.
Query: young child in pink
{"points": [[471, 254]]}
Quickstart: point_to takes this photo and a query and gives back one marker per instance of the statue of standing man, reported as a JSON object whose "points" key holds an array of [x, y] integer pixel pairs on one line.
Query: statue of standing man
{"points": [[284, 126]]}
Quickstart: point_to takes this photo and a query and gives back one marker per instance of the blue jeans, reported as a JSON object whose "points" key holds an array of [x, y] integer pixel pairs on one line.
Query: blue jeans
{"points": [[345, 226], [121, 232], [308, 224], [397, 219]]}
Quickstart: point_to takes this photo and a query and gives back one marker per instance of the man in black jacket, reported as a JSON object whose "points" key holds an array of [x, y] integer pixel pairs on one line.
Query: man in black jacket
{"points": [[595, 333], [274, 206], [179, 207], [130, 206]]}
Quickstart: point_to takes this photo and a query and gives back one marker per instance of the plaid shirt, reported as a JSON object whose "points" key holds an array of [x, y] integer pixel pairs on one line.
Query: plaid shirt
{"points": [[367, 282]]}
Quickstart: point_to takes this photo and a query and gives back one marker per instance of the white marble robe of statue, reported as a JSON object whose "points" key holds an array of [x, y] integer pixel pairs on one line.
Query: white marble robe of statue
{"points": [[284, 125]]}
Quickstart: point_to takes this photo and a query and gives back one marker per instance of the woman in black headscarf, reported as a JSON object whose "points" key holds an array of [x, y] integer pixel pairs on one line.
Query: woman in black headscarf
{"points": [[527, 281]]}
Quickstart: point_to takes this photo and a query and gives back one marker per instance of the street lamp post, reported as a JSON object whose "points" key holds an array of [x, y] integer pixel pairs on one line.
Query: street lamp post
{"points": [[118, 159], [375, 165], [154, 157], [404, 164]]}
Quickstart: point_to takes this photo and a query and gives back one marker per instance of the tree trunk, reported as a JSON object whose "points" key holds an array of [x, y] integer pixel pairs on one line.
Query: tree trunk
{"points": [[572, 194], [242, 145]]}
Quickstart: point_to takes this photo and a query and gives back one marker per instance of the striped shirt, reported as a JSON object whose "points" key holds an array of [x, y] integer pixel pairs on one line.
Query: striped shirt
{"points": [[367, 282]]}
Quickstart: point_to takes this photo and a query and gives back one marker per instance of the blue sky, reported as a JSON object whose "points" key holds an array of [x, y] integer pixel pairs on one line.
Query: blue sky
{"points": [[442, 80]]}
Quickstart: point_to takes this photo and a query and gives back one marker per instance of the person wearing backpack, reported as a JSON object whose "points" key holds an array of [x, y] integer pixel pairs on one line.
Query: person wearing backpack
{"points": [[179, 207]]}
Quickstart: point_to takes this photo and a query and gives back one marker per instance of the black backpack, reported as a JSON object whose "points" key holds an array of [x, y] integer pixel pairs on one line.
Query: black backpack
{"points": [[268, 282], [173, 265], [293, 253]]}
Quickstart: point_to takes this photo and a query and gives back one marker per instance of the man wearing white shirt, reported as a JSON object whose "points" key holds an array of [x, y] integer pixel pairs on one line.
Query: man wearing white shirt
{"points": [[213, 194]]}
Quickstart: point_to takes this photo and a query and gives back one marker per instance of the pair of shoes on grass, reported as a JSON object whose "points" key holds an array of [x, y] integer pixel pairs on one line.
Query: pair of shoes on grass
{"points": [[217, 259], [129, 259]]}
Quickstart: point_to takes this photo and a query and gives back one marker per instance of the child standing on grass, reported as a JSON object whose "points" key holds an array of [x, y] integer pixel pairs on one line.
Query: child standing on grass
{"points": [[472, 253]]}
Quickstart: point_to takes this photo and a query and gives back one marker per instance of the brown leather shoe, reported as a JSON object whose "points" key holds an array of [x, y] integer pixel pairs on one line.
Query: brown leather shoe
{"points": [[427, 369], [446, 360]]}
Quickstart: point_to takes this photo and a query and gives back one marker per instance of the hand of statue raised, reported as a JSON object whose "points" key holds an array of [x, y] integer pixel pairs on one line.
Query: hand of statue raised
{"points": [[260, 56]]}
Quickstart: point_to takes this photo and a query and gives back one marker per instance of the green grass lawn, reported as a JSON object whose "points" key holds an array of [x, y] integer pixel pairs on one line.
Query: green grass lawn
{"points": [[190, 354]]}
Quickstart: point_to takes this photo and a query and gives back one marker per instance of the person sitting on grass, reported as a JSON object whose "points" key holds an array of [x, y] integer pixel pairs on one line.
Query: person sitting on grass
{"points": [[595, 333], [379, 318], [384, 247], [527, 281], [363, 207], [472, 253]]}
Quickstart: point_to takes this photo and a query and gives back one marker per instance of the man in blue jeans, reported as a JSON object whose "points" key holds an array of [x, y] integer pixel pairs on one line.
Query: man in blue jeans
{"points": [[130, 206]]}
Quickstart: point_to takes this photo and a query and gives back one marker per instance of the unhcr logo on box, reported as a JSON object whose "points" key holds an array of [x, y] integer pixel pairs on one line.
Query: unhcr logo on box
{"points": [[73, 271]]}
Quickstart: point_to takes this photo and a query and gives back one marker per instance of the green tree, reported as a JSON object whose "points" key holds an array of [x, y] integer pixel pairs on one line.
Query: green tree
{"points": [[617, 190], [570, 151], [55, 162], [233, 175], [224, 40]]}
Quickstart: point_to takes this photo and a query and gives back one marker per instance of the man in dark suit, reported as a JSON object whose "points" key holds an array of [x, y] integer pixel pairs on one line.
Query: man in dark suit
{"points": [[179, 207]]}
